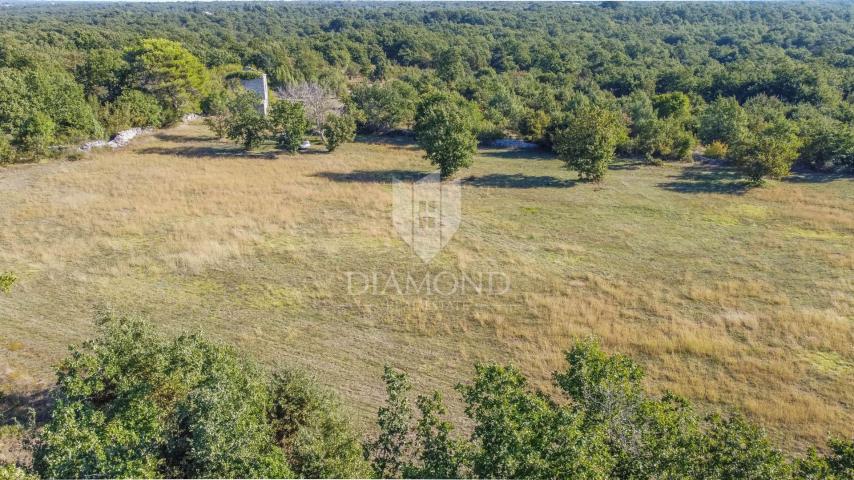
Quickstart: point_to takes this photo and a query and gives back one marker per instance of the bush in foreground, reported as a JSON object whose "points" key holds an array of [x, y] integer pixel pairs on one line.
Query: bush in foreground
{"points": [[605, 426], [132, 403]]}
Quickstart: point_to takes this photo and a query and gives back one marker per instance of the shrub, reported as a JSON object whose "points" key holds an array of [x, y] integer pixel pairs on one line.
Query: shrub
{"points": [[215, 108], [133, 109], [7, 153], [337, 130], [35, 135], [723, 120], [828, 144], [309, 425], [717, 149], [244, 123], [6, 281], [288, 124]]}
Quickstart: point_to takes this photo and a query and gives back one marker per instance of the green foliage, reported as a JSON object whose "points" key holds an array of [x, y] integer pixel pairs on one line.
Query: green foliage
{"points": [[445, 127], [590, 139], [768, 149], [828, 144], [133, 109], [841, 458], [6, 281], [338, 129], [288, 124], [12, 472], [609, 428], [245, 123], [312, 429], [736, 449], [716, 149], [724, 120], [216, 110], [386, 106], [523, 434], [102, 74], [41, 106], [390, 451], [440, 456], [133, 403], [449, 65], [7, 153], [35, 135], [170, 72]]}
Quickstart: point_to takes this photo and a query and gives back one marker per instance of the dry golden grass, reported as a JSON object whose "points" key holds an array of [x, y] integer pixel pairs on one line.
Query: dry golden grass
{"points": [[732, 298]]}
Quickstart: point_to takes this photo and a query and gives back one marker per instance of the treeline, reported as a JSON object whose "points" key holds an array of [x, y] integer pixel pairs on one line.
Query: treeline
{"points": [[662, 71], [135, 403]]}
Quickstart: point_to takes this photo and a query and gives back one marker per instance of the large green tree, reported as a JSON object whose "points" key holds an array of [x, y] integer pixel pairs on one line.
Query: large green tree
{"points": [[446, 127], [168, 71], [589, 141]]}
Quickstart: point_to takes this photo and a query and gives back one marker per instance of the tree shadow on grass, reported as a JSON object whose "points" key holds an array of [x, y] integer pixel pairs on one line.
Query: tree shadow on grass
{"points": [[708, 179], [405, 142], [168, 137], [518, 180], [373, 176], [15, 407], [518, 154], [808, 176], [627, 164], [210, 152]]}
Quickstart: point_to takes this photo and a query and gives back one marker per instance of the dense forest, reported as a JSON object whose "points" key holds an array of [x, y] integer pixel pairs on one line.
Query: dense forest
{"points": [[766, 86]]}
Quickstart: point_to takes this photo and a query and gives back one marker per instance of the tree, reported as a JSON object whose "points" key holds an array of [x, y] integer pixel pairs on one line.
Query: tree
{"points": [[216, 110], [288, 124], [724, 120], [519, 433], [133, 109], [386, 106], [317, 101], [337, 130], [311, 427], [440, 456], [170, 72], [132, 403], [245, 124], [101, 74], [589, 141], [449, 65], [35, 135], [768, 149], [446, 128], [7, 153], [390, 451], [828, 144]]}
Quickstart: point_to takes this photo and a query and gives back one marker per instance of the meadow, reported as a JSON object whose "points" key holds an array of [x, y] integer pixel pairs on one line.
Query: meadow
{"points": [[734, 297]]}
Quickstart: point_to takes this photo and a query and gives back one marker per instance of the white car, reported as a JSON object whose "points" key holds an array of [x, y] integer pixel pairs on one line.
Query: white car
{"points": [[305, 145]]}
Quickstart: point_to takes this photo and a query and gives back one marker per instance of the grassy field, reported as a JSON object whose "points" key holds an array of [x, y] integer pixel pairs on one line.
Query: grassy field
{"points": [[732, 297]]}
